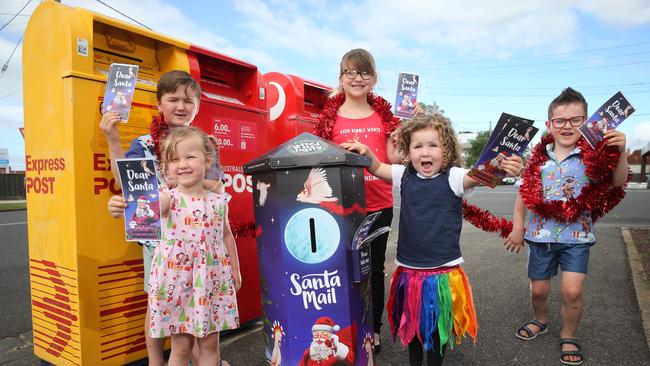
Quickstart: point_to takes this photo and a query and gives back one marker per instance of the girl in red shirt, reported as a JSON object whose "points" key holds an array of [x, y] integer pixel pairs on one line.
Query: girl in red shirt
{"points": [[354, 114]]}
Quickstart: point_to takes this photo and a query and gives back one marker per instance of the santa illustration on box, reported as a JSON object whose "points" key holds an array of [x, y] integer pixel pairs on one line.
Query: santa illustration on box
{"points": [[330, 345]]}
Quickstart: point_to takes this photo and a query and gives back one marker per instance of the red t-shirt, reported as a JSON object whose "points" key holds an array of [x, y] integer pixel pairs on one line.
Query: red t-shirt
{"points": [[369, 131]]}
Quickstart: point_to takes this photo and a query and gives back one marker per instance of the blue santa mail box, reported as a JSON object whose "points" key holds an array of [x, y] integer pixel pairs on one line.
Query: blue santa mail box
{"points": [[309, 203]]}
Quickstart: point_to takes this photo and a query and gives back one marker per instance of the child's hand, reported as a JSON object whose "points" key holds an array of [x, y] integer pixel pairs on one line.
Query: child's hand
{"points": [[116, 206], [170, 181], [356, 147], [515, 240], [109, 127], [236, 276], [615, 138], [215, 186], [512, 165], [393, 138], [418, 109]]}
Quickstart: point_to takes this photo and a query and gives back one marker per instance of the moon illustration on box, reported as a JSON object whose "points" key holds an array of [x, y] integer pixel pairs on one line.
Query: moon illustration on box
{"points": [[297, 235]]}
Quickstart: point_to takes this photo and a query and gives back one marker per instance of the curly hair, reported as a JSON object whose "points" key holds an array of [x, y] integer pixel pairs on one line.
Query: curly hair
{"points": [[439, 123], [209, 145]]}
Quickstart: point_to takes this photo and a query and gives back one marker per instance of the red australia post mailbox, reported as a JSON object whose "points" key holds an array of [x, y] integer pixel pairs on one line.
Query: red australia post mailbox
{"points": [[294, 105], [233, 110]]}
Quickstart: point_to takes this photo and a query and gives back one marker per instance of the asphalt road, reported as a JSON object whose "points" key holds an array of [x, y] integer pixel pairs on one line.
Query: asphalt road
{"points": [[611, 331], [15, 316]]}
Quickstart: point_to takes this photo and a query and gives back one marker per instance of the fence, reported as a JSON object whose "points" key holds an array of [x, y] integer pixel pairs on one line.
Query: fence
{"points": [[12, 186]]}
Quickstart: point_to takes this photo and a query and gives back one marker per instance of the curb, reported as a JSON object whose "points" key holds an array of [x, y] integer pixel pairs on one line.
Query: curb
{"points": [[640, 281]]}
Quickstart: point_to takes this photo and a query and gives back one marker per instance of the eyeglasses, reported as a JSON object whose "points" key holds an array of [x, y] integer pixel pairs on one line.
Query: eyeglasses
{"points": [[576, 121], [352, 74]]}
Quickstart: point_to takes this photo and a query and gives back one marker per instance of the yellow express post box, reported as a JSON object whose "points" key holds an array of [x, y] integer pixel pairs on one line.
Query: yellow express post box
{"points": [[87, 296]]}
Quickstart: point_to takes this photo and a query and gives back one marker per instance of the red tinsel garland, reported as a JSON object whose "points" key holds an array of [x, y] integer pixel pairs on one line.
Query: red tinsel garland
{"points": [[485, 220], [159, 129], [242, 229], [598, 197], [327, 118]]}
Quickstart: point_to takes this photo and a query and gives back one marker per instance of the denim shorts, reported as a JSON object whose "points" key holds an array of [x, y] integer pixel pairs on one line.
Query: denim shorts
{"points": [[544, 259]]}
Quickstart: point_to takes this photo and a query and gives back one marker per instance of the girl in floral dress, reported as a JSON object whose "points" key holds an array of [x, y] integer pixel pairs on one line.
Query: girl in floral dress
{"points": [[195, 272]]}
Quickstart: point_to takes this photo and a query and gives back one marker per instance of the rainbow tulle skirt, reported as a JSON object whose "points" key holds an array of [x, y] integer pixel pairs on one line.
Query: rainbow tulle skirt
{"points": [[423, 301]]}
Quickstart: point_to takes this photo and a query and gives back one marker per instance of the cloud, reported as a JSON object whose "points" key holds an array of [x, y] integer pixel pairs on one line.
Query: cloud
{"points": [[11, 79], [639, 136], [170, 20], [11, 115], [498, 27], [628, 13], [486, 27], [298, 29]]}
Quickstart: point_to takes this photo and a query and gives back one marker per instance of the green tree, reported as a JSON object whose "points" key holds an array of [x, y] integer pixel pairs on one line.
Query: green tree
{"points": [[431, 109], [476, 147]]}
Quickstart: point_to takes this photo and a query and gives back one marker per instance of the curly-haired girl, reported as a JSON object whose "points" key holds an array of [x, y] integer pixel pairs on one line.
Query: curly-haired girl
{"points": [[430, 297]]}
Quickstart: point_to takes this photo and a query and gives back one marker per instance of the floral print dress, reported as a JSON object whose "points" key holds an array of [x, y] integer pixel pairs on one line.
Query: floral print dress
{"points": [[191, 289]]}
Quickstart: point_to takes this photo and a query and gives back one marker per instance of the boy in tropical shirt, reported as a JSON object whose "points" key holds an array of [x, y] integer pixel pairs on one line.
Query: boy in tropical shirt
{"points": [[558, 173]]}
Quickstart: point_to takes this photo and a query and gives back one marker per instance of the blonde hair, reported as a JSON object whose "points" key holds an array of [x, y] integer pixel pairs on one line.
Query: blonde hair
{"points": [[209, 145], [359, 59], [439, 123]]}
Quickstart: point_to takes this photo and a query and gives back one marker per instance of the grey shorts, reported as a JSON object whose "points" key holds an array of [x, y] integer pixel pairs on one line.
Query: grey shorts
{"points": [[147, 258]]}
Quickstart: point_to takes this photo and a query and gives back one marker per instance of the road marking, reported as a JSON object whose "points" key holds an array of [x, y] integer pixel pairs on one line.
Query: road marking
{"points": [[14, 223]]}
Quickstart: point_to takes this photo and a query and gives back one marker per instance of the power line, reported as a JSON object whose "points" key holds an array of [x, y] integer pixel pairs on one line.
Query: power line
{"points": [[14, 17], [552, 71], [615, 86], [462, 123], [122, 14], [15, 24], [536, 56], [509, 66], [490, 95], [10, 94], [6, 65]]}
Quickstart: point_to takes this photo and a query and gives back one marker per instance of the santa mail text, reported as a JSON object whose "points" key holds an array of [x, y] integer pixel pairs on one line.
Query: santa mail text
{"points": [[316, 288]]}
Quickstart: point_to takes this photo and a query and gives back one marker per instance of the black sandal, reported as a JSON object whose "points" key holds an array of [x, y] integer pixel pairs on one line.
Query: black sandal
{"points": [[376, 346], [543, 328], [577, 352]]}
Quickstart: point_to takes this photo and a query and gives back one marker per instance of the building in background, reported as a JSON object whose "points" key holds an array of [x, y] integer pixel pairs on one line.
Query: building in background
{"points": [[465, 139], [4, 161], [636, 162]]}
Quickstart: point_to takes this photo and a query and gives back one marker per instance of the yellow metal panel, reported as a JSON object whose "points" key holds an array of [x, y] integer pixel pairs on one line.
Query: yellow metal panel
{"points": [[88, 302]]}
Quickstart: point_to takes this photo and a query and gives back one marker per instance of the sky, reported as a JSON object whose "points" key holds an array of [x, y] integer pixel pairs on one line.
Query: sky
{"points": [[476, 59]]}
